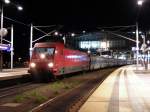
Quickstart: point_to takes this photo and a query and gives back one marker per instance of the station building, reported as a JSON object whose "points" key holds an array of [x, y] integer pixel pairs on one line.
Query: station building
{"points": [[103, 43]]}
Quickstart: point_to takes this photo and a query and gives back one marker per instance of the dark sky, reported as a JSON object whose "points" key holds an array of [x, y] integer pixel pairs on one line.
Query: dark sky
{"points": [[86, 13], [75, 15]]}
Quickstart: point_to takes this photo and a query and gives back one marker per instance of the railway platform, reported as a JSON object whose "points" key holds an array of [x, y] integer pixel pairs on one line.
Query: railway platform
{"points": [[125, 90], [8, 74]]}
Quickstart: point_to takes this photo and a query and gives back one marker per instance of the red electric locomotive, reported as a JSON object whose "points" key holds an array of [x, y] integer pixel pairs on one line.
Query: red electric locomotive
{"points": [[51, 59]]}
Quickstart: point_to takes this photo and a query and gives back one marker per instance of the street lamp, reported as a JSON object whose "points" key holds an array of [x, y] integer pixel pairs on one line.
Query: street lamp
{"points": [[139, 3], [2, 23], [1, 35], [56, 33], [72, 34], [7, 1], [84, 31], [20, 8]]}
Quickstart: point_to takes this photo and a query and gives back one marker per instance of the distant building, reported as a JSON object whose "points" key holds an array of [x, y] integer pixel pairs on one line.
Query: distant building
{"points": [[102, 42]]}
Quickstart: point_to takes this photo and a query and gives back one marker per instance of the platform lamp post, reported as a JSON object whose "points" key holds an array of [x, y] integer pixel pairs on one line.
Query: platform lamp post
{"points": [[12, 45], [20, 8], [139, 3], [148, 55], [31, 40], [137, 44], [1, 35]]}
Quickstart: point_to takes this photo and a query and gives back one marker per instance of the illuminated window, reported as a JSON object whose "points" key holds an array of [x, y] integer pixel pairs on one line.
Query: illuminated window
{"points": [[89, 44], [94, 44], [105, 44]]}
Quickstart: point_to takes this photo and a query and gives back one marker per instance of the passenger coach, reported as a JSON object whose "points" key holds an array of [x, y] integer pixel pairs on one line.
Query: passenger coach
{"points": [[50, 60]]}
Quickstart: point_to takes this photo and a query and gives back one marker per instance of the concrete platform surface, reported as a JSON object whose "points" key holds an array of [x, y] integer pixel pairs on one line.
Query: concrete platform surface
{"points": [[7, 74], [126, 90]]}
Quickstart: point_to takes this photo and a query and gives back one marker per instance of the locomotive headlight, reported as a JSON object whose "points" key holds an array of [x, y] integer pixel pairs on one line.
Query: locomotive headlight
{"points": [[32, 65], [42, 56], [50, 65]]}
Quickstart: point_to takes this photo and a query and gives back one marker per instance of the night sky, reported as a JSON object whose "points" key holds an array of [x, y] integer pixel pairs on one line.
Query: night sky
{"points": [[74, 16], [85, 14]]}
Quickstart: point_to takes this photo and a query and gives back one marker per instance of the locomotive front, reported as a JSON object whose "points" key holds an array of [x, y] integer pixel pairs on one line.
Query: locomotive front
{"points": [[46, 60], [42, 59]]}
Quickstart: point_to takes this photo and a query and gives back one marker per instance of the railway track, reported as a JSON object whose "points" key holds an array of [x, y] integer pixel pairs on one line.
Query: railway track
{"points": [[16, 81], [69, 101], [5, 92], [72, 100]]}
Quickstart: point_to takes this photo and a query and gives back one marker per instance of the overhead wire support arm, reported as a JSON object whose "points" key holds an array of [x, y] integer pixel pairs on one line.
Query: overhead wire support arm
{"points": [[121, 29], [39, 30], [122, 36], [16, 21], [44, 36], [118, 26], [45, 26], [6, 41]]}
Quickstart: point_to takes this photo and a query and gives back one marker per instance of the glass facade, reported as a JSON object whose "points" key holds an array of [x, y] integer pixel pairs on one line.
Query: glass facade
{"points": [[101, 44]]}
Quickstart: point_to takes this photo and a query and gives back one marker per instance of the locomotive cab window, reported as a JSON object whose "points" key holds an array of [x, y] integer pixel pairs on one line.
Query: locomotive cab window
{"points": [[48, 51]]}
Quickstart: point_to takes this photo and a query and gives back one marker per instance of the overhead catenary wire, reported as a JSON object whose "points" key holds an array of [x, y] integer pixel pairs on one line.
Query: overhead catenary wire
{"points": [[36, 27], [19, 22], [45, 26], [121, 29], [117, 27], [44, 36], [39, 30], [47, 34], [6, 41], [121, 36], [16, 21]]}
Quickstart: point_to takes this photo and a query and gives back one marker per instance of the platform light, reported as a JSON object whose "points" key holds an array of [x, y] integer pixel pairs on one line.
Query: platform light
{"points": [[72, 34], [20, 8], [83, 31], [140, 32], [50, 64], [19, 58], [133, 32], [7, 1], [140, 2], [33, 65], [56, 33], [42, 56]]}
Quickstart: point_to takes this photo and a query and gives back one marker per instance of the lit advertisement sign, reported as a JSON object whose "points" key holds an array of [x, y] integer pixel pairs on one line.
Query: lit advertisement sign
{"points": [[94, 44], [5, 47]]}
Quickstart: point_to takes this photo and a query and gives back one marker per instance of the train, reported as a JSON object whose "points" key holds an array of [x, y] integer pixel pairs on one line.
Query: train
{"points": [[52, 59]]}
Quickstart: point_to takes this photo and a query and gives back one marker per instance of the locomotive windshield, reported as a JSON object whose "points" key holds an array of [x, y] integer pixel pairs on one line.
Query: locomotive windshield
{"points": [[48, 51]]}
